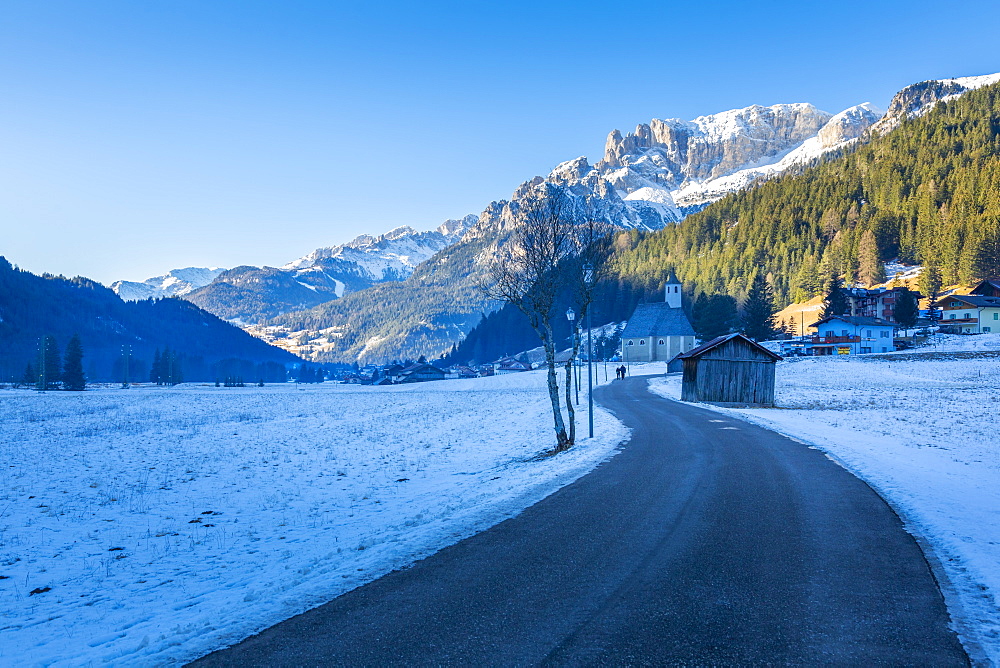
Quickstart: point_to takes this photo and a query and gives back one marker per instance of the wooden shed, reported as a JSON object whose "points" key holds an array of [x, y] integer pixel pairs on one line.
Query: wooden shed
{"points": [[730, 369]]}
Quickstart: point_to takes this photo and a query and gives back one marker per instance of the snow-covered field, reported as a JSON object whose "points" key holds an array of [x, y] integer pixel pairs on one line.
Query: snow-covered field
{"points": [[923, 432], [151, 526]]}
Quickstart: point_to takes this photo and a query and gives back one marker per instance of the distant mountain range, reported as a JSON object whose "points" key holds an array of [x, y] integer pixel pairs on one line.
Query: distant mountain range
{"points": [[248, 294], [647, 179]]}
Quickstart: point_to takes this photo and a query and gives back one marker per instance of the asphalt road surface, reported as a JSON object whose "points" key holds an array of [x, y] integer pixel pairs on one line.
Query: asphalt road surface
{"points": [[706, 541]]}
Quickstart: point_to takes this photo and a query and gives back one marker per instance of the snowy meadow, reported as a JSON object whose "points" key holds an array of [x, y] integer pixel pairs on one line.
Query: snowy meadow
{"points": [[153, 525], [924, 431]]}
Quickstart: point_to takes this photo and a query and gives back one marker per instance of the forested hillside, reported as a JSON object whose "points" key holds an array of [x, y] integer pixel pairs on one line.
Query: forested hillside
{"points": [[32, 307], [928, 192], [399, 319]]}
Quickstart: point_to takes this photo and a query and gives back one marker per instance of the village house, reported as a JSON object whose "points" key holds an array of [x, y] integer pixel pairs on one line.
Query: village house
{"points": [[420, 372], [987, 288], [970, 314], [506, 365], [879, 303], [850, 335], [659, 331]]}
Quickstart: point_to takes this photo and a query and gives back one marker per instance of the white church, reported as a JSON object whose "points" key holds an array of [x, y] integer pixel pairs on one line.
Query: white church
{"points": [[658, 332]]}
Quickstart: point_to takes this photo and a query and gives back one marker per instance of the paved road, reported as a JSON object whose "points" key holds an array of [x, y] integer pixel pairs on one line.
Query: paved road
{"points": [[706, 541]]}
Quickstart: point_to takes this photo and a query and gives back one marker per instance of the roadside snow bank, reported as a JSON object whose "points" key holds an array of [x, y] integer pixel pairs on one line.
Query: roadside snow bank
{"points": [[926, 434], [154, 525]]}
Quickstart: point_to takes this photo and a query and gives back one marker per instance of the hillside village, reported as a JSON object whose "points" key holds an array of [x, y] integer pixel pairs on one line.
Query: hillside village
{"points": [[661, 331]]}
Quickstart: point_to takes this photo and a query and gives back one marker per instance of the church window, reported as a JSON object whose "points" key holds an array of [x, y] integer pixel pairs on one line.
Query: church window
{"points": [[642, 342], [661, 342], [631, 342]]}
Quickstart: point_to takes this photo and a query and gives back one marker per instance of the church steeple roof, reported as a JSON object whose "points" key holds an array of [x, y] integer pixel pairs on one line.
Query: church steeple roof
{"points": [[672, 278]]}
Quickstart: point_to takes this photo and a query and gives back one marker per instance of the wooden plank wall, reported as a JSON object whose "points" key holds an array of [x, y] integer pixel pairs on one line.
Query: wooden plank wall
{"points": [[731, 373]]}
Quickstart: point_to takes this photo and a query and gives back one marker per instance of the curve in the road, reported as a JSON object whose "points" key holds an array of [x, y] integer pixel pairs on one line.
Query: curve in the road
{"points": [[706, 541]]}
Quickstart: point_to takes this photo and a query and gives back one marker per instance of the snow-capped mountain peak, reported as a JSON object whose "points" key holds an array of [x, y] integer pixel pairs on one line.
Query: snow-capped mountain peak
{"points": [[175, 283], [919, 98]]}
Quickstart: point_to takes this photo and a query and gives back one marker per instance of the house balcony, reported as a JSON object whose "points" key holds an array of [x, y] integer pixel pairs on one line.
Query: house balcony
{"points": [[958, 321], [834, 339]]}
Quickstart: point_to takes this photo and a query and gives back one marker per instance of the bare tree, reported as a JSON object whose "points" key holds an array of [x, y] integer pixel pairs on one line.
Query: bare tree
{"points": [[581, 273], [538, 262], [524, 272]]}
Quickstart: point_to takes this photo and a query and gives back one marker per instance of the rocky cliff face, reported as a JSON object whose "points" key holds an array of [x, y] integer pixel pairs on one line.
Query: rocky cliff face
{"points": [[920, 97], [652, 176]]}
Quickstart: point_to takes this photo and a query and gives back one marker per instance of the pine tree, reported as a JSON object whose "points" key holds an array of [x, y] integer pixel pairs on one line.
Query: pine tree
{"points": [[870, 267], [986, 256], [72, 375], [758, 310], [154, 370], [49, 365], [835, 302], [714, 315], [30, 377], [930, 281], [905, 311]]}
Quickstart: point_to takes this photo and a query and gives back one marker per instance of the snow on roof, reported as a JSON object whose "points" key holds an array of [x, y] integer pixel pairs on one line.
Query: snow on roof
{"points": [[657, 320]]}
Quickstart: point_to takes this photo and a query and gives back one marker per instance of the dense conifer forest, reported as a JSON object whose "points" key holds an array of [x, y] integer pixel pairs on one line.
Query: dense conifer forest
{"points": [[927, 193]]}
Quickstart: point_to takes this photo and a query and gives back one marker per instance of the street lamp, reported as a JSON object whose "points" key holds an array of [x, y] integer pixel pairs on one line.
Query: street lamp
{"points": [[571, 316], [588, 279]]}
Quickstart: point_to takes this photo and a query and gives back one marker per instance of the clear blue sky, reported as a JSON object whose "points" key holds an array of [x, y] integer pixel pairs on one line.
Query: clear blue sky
{"points": [[136, 137]]}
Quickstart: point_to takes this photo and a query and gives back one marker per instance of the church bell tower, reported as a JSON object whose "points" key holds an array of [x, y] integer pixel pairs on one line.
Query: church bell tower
{"points": [[673, 291]]}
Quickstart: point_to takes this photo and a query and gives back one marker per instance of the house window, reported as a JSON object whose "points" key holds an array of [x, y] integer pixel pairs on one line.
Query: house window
{"points": [[884, 334], [951, 316], [868, 333], [986, 329], [996, 316], [966, 316], [884, 349], [866, 350], [661, 342]]}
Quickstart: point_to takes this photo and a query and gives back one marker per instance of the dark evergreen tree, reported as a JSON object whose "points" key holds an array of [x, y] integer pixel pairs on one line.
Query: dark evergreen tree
{"points": [[156, 368], [49, 365], [870, 269], [714, 316], [835, 302], [930, 281], [758, 310], [986, 255], [30, 377], [72, 376], [906, 310]]}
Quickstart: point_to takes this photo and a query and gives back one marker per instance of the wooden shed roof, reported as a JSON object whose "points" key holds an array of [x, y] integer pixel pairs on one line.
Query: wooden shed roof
{"points": [[726, 338]]}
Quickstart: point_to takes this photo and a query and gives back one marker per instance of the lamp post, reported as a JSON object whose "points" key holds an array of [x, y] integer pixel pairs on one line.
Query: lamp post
{"points": [[571, 316], [588, 279]]}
